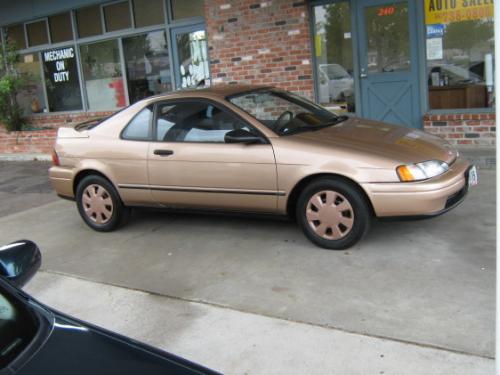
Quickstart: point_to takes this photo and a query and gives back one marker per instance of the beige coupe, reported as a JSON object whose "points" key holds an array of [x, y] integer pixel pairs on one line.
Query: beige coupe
{"points": [[256, 149]]}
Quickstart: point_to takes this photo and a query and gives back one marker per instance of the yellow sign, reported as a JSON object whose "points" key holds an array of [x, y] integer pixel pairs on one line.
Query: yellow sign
{"points": [[447, 11]]}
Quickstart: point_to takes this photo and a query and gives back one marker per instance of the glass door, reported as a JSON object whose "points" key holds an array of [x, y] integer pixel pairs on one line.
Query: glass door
{"points": [[333, 48], [190, 53], [388, 61]]}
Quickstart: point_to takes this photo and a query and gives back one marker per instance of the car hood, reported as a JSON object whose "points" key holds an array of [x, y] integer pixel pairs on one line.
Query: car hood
{"points": [[398, 143], [74, 347]]}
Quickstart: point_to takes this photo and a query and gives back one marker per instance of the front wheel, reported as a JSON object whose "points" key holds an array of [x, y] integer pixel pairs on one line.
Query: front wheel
{"points": [[99, 204], [333, 213]]}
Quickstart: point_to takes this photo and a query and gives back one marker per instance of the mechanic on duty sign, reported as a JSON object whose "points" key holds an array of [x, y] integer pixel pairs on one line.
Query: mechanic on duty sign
{"points": [[446, 11]]}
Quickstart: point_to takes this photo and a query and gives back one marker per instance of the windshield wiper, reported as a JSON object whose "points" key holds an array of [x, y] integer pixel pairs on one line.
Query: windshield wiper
{"points": [[336, 121]]}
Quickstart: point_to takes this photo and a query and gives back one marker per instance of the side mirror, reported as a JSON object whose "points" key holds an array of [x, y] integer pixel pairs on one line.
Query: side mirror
{"points": [[241, 136], [19, 261]]}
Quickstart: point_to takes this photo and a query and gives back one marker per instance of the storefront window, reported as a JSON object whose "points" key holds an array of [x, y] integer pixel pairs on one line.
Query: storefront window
{"points": [[192, 55], [334, 56], [15, 36], [460, 49], [147, 65], [37, 33], [31, 98], [88, 21], [148, 12], [61, 79], [187, 9], [103, 75], [117, 16], [60, 28]]}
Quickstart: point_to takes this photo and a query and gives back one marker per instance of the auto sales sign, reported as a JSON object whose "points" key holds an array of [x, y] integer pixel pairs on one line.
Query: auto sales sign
{"points": [[446, 11]]}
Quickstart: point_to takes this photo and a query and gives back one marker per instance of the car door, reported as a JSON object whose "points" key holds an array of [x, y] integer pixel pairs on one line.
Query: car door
{"points": [[190, 165]]}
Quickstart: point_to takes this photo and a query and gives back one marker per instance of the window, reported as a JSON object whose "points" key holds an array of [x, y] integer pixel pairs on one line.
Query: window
{"points": [[60, 28], [117, 16], [285, 113], [194, 122], [139, 127], [334, 52], [37, 33], [61, 79], [103, 75], [192, 55], [460, 50], [148, 12], [17, 328], [15, 36], [88, 21], [30, 97], [187, 9], [147, 65]]}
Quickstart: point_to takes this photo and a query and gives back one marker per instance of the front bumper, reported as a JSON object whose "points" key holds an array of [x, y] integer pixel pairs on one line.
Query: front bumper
{"points": [[425, 198]]}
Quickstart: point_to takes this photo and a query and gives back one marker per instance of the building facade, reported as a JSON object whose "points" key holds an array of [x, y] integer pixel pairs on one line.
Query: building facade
{"points": [[425, 64]]}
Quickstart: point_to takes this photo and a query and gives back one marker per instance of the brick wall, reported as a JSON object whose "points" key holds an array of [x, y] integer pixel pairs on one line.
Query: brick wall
{"points": [[260, 42], [42, 140], [463, 130]]}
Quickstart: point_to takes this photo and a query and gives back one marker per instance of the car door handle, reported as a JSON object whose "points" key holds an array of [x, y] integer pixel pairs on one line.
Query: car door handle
{"points": [[163, 152]]}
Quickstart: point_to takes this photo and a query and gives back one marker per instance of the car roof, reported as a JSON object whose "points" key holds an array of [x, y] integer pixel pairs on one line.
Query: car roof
{"points": [[220, 91]]}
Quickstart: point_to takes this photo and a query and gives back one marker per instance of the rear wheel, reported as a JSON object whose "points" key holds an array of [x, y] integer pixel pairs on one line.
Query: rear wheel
{"points": [[99, 204], [333, 213]]}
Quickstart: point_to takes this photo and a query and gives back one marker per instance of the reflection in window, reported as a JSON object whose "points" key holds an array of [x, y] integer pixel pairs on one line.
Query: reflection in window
{"points": [[37, 33], [60, 28], [460, 64], [148, 12], [333, 49], [147, 65], [103, 75], [388, 38], [30, 97], [192, 51], [88, 21]]}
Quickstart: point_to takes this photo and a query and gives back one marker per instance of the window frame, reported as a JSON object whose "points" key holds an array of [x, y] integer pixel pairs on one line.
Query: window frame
{"points": [[207, 101], [47, 29], [103, 16]]}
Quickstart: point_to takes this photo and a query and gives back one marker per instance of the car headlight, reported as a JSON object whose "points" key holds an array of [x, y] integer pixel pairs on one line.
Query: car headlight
{"points": [[421, 171]]}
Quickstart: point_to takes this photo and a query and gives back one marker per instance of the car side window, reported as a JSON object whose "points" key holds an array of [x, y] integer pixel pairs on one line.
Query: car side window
{"points": [[138, 129], [195, 121]]}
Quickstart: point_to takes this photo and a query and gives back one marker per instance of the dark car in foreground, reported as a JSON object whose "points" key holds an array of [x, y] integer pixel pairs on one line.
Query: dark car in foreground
{"points": [[35, 339]]}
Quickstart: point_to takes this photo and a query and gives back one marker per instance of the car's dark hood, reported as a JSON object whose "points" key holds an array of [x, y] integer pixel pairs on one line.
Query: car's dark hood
{"points": [[76, 348]]}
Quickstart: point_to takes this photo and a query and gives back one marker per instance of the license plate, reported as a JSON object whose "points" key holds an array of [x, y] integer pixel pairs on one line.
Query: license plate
{"points": [[472, 176]]}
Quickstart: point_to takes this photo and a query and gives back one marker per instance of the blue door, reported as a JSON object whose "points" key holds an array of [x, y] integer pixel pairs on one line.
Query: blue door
{"points": [[388, 61]]}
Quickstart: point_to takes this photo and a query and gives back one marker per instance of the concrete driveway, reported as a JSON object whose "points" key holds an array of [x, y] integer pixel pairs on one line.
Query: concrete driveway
{"points": [[427, 282]]}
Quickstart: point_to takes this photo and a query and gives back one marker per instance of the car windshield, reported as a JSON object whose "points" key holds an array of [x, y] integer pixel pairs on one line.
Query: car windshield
{"points": [[285, 113], [17, 327]]}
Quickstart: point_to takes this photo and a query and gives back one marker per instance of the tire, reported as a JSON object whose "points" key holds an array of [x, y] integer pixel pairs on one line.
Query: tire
{"points": [[333, 213], [99, 204]]}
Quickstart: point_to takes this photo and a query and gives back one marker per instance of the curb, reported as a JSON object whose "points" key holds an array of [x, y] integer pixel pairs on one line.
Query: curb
{"points": [[25, 157]]}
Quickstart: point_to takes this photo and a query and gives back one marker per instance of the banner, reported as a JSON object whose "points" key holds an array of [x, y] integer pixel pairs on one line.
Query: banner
{"points": [[446, 11]]}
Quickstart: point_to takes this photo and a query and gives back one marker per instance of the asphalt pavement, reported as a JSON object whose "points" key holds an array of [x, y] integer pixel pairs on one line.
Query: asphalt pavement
{"points": [[425, 284]]}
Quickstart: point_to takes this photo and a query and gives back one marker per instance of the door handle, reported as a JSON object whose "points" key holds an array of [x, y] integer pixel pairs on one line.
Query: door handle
{"points": [[363, 75], [163, 152]]}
